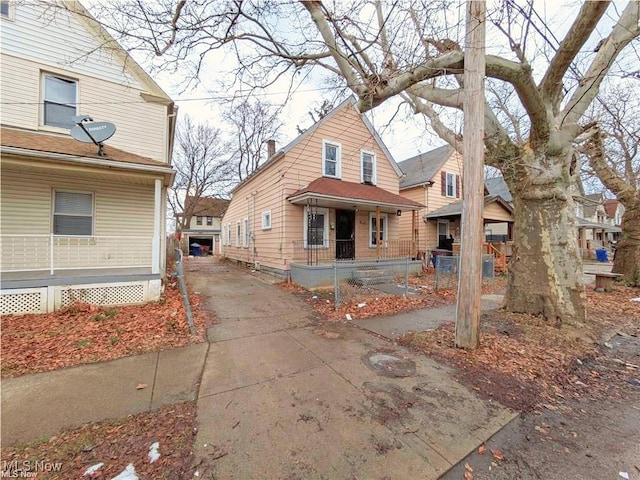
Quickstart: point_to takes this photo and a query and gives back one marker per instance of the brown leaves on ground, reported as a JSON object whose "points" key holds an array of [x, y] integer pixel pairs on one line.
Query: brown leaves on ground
{"points": [[117, 444], [372, 303], [525, 362], [83, 333]]}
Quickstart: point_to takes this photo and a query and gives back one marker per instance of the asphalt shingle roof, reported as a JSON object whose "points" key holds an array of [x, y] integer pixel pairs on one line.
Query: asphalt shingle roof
{"points": [[422, 168]]}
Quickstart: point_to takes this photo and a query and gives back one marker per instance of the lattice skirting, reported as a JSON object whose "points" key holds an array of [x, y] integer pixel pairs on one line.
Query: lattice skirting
{"points": [[47, 299]]}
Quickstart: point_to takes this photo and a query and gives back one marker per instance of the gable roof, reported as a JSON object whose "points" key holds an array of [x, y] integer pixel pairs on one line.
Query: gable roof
{"points": [[497, 186], [309, 131], [610, 206], [590, 206], [455, 209], [334, 188], [207, 206], [422, 168]]}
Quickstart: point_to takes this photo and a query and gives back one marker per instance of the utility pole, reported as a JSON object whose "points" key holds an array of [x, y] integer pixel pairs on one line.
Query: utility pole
{"points": [[470, 271]]}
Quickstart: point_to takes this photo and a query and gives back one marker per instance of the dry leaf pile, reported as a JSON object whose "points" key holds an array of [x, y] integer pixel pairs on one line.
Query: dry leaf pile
{"points": [[117, 444], [83, 333]]}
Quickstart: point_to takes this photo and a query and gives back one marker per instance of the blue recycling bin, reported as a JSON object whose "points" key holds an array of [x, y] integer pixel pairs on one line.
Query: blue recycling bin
{"points": [[601, 255], [196, 251]]}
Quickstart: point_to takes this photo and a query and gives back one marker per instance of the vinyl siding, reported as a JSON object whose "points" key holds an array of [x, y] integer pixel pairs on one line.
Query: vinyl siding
{"points": [[141, 126], [418, 194], [216, 224], [41, 33], [119, 209], [269, 190], [435, 199], [494, 211]]}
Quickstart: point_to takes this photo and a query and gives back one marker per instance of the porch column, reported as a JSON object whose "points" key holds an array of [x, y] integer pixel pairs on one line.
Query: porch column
{"points": [[414, 232], [157, 214], [378, 241]]}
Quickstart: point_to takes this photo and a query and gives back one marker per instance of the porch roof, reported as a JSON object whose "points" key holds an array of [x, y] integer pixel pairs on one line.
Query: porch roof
{"points": [[455, 209], [582, 223], [337, 193]]}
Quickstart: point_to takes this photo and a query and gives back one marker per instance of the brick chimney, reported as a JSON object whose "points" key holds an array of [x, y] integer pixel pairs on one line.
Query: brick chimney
{"points": [[271, 148]]}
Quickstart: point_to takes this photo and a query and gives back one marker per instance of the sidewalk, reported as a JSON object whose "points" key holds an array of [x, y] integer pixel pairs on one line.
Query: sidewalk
{"points": [[40, 405]]}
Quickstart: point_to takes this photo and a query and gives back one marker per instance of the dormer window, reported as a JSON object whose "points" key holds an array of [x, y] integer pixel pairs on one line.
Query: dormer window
{"points": [[59, 99], [331, 159], [368, 168]]}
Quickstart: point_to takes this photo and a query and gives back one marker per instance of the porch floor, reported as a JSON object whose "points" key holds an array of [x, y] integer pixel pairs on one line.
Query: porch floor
{"points": [[43, 278]]}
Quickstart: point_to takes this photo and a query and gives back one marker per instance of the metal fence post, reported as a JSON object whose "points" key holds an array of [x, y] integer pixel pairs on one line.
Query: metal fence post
{"points": [[183, 291], [406, 277], [336, 286]]}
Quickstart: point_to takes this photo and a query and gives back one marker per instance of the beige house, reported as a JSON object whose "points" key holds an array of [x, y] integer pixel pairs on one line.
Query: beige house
{"points": [[202, 236], [76, 225], [595, 227], [332, 193], [434, 179]]}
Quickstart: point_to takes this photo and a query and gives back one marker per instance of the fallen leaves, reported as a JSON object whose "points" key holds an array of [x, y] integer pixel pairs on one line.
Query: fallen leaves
{"points": [[83, 333], [497, 454], [482, 449], [119, 443]]}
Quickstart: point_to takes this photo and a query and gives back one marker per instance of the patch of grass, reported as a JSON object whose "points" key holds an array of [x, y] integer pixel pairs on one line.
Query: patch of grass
{"points": [[99, 318], [84, 343], [111, 312], [114, 341]]}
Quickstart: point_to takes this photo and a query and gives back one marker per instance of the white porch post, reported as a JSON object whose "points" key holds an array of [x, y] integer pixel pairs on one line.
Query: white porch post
{"points": [[157, 212]]}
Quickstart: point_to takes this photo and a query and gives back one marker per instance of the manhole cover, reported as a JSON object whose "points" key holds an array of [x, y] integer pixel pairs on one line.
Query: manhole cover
{"points": [[389, 365]]}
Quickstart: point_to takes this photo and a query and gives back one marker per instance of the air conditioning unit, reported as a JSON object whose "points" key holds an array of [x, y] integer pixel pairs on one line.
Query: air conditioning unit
{"points": [[256, 266]]}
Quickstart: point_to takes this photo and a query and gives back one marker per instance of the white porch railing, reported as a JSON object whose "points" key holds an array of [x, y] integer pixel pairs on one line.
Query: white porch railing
{"points": [[55, 252]]}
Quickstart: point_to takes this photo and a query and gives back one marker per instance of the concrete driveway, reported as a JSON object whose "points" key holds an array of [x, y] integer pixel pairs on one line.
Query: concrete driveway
{"points": [[283, 396]]}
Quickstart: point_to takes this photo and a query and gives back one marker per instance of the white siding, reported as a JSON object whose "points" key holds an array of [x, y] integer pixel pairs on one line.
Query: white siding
{"points": [[50, 35]]}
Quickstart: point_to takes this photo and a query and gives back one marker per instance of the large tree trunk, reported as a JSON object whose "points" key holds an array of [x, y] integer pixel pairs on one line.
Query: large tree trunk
{"points": [[627, 257], [545, 271]]}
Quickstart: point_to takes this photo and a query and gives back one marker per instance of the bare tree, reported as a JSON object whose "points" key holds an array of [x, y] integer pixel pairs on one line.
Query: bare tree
{"points": [[411, 48], [614, 156], [317, 114], [254, 123], [203, 169]]}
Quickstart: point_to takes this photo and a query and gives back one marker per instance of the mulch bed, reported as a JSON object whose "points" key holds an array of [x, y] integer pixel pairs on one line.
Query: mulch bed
{"points": [[83, 333], [116, 444], [526, 363]]}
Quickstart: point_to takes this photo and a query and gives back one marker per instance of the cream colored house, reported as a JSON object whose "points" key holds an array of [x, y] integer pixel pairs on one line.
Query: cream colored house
{"points": [[202, 235], [332, 193], [434, 179], [78, 226]]}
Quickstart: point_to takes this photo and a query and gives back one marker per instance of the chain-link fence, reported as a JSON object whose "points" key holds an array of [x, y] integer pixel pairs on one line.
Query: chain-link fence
{"points": [[447, 268], [360, 280]]}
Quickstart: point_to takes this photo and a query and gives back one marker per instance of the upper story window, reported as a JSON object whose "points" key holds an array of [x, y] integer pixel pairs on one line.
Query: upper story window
{"points": [[6, 9], [450, 185], [72, 213], [368, 168], [198, 220], [331, 159], [209, 221], [59, 98]]}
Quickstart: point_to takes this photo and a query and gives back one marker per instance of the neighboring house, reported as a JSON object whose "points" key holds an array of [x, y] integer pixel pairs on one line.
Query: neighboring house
{"points": [[434, 179], [205, 225], [594, 226], [78, 226], [333, 192], [615, 212]]}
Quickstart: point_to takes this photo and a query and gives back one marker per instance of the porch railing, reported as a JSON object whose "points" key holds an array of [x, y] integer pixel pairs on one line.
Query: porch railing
{"points": [[55, 252], [314, 254]]}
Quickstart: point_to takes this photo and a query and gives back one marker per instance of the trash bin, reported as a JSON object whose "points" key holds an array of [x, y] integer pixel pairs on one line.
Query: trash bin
{"points": [[487, 266], [601, 255], [195, 249]]}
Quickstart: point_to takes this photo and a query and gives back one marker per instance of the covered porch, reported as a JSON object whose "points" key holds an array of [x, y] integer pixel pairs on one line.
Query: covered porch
{"points": [[350, 221]]}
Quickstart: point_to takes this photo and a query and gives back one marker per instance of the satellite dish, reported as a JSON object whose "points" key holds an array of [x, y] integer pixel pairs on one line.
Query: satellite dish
{"points": [[93, 131], [88, 131]]}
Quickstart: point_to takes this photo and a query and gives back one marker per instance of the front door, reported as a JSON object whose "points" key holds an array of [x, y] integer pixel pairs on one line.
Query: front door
{"points": [[345, 234]]}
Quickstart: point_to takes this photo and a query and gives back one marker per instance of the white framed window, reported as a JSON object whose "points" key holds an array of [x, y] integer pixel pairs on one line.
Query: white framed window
{"points": [[72, 213], [7, 9], [374, 235], [238, 233], [246, 233], [223, 239], [451, 185], [198, 220], [443, 230], [368, 167], [59, 98], [331, 159], [209, 221], [266, 220], [316, 228], [228, 235]]}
